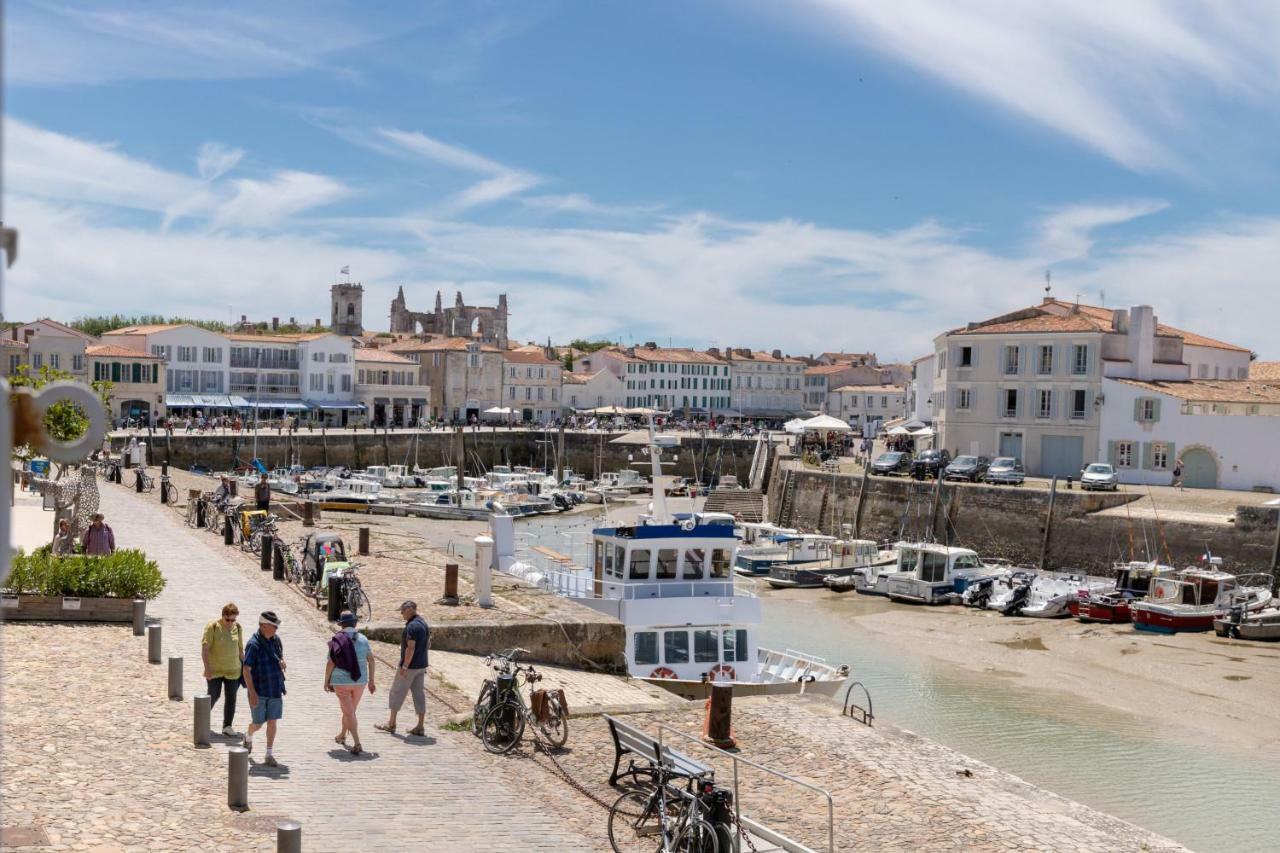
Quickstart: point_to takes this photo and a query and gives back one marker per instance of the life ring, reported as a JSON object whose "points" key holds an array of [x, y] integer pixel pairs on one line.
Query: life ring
{"points": [[663, 672], [722, 670], [688, 525]]}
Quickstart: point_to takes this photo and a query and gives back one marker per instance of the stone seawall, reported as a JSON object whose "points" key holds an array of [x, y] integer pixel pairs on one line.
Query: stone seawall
{"points": [[1009, 522], [585, 453], [564, 643]]}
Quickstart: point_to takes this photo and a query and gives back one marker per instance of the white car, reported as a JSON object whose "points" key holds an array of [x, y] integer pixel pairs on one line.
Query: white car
{"points": [[1101, 476]]}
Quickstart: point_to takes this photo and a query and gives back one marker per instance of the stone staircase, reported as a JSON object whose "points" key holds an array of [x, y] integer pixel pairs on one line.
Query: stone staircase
{"points": [[747, 503]]}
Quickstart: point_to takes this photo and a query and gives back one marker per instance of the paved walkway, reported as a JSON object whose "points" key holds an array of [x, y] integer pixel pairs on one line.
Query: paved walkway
{"points": [[405, 793]]}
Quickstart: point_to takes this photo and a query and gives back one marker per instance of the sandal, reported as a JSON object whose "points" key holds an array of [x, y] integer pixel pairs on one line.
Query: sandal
{"points": [[383, 727], [356, 749], [417, 731], [341, 740]]}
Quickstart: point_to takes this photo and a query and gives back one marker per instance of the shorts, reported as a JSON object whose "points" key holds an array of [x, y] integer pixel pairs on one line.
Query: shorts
{"points": [[412, 682], [268, 708]]}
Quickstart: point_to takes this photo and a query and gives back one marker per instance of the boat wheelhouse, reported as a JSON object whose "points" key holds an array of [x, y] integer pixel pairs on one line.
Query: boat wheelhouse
{"points": [[783, 547], [842, 559], [931, 573], [1133, 582], [1192, 599]]}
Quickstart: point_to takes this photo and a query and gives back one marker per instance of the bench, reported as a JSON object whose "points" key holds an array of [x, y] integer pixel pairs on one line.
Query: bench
{"points": [[629, 739], [554, 556]]}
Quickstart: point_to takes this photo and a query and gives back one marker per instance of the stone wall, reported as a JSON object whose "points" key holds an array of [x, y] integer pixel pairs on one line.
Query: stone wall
{"points": [[585, 453], [1008, 522]]}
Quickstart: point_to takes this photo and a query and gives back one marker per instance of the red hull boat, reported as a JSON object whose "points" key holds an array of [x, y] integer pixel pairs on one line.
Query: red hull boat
{"points": [[1102, 609]]}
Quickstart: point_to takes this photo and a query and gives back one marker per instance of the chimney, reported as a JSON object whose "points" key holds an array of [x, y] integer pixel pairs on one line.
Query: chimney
{"points": [[293, 321], [275, 324], [713, 351], [631, 352], [317, 322], [650, 345], [777, 354], [1142, 341], [244, 319]]}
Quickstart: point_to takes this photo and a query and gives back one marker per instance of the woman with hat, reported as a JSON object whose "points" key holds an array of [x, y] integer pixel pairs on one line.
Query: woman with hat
{"points": [[348, 671]]}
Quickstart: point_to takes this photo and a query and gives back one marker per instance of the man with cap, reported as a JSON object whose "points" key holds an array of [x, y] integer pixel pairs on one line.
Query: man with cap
{"points": [[411, 673], [264, 679]]}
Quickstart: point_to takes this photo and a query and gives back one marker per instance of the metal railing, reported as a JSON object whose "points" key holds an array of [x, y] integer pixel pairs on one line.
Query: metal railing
{"points": [[581, 584], [754, 827]]}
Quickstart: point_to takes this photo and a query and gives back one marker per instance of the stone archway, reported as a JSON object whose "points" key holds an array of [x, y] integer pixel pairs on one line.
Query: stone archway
{"points": [[1199, 468]]}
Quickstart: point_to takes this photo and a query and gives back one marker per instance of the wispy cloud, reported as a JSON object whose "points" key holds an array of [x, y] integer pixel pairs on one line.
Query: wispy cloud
{"points": [[258, 203], [501, 181], [214, 160], [1067, 233], [1121, 78]]}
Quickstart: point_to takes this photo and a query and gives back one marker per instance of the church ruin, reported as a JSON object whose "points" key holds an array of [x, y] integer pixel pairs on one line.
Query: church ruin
{"points": [[460, 321]]}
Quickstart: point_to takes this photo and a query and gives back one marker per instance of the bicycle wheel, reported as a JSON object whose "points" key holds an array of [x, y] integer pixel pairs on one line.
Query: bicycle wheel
{"points": [[502, 728], [555, 730], [357, 602], [634, 824], [698, 837], [483, 701]]}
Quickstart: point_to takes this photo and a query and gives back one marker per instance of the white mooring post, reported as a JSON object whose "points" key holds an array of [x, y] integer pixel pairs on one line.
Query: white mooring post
{"points": [[484, 571]]}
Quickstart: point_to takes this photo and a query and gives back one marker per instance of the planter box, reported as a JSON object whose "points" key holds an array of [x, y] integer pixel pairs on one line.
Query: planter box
{"points": [[44, 608]]}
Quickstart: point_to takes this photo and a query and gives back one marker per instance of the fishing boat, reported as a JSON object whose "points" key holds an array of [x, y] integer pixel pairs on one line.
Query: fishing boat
{"points": [[689, 623], [1051, 593], [788, 547], [1262, 625], [932, 573], [844, 559], [1190, 600], [757, 546], [1133, 582], [351, 491], [873, 579]]}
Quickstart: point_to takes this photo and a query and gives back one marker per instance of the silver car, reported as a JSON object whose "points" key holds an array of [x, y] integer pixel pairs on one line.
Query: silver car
{"points": [[1005, 469], [1100, 476]]}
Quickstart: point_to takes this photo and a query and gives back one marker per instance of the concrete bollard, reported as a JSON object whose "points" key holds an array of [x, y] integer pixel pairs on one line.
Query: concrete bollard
{"points": [[450, 583], [336, 604], [309, 514], [200, 724], [175, 678], [238, 778], [139, 617], [228, 532], [277, 564], [363, 542], [484, 571], [288, 837], [153, 644], [267, 548]]}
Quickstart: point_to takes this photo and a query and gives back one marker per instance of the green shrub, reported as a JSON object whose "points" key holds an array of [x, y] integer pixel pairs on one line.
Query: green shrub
{"points": [[124, 574]]}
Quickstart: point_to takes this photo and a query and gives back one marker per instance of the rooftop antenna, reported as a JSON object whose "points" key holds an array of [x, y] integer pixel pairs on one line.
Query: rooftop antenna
{"points": [[1102, 298], [1048, 283]]}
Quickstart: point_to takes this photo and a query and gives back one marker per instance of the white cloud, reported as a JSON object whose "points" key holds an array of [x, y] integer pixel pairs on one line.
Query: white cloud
{"points": [[214, 160], [1066, 233], [259, 203], [1121, 78], [502, 181]]}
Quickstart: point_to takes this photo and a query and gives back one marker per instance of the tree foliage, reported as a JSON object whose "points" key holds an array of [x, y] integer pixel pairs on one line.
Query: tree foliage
{"points": [[589, 346], [99, 325], [64, 420]]}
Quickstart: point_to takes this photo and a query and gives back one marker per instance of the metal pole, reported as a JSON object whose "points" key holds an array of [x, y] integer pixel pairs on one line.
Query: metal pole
{"points": [[1048, 525], [238, 778], [933, 512], [1275, 558], [175, 678], [288, 837], [200, 723], [560, 455], [458, 457], [737, 808], [139, 617], [277, 564], [153, 644], [862, 499]]}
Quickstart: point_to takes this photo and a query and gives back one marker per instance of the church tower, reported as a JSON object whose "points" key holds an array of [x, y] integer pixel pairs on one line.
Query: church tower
{"points": [[347, 299]]}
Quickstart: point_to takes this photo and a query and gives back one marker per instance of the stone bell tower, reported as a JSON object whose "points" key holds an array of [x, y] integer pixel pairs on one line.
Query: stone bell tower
{"points": [[347, 299]]}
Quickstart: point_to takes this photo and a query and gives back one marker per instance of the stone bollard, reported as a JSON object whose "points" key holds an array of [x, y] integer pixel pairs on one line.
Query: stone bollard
{"points": [[153, 644], [450, 583], [277, 564], [235, 487], [309, 514], [288, 837], [228, 532], [265, 556], [238, 778], [200, 725], [175, 678], [336, 602], [718, 729], [363, 542], [484, 571], [139, 617]]}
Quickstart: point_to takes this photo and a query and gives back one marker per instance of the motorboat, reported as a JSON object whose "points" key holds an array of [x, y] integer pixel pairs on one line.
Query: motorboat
{"points": [[844, 559], [874, 579], [382, 475], [1239, 625], [1133, 582], [402, 474], [932, 573], [351, 491], [758, 547], [1192, 599], [782, 547], [668, 578], [994, 591], [1051, 593], [626, 479]]}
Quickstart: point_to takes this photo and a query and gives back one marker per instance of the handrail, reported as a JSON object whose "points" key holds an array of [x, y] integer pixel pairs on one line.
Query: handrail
{"points": [[582, 585], [769, 835]]}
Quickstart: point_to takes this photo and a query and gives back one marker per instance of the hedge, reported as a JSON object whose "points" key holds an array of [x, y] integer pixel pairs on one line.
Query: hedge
{"points": [[124, 574]]}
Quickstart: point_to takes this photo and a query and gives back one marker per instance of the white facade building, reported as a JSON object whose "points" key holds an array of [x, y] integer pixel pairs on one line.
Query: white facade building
{"points": [[863, 406], [920, 400], [388, 388], [766, 384], [56, 346], [197, 374], [669, 379], [531, 384], [594, 390]]}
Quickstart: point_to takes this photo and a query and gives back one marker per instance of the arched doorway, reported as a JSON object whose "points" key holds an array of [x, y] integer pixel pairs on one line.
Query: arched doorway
{"points": [[1199, 469]]}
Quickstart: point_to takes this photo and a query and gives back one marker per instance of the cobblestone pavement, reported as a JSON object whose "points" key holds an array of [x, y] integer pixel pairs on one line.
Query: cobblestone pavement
{"points": [[404, 793], [95, 757]]}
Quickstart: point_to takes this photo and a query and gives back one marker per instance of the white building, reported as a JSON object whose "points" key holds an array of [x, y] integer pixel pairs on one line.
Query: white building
{"points": [[388, 389], [531, 384], [293, 374], [197, 376], [766, 385], [863, 406], [920, 399], [593, 390], [679, 380], [56, 346]]}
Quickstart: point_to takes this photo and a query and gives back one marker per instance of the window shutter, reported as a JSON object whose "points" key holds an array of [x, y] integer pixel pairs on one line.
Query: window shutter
{"points": [[1155, 413], [1113, 456], [1137, 410], [973, 355], [1053, 404], [1024, 356], [1088, 405], [1148, 455], [1171, 455]]}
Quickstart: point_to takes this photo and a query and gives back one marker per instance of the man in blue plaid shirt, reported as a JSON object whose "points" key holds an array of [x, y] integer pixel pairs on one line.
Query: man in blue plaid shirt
{"points": [[264, 679]]}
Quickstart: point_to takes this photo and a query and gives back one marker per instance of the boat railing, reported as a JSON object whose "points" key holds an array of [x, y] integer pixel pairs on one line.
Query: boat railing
{"points": [[580, 584], [742, 823]]}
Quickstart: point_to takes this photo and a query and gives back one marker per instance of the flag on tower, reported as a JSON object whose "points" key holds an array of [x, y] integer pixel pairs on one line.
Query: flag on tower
{"points": [[346, 270]]}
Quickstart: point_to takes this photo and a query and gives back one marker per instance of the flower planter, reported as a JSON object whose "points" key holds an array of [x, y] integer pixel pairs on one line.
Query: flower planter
{"points": [[45, 608]]}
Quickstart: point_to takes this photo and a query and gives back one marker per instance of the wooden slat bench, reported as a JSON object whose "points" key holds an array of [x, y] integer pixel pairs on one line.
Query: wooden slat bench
{"points": [[555, 556], [629, 739]]}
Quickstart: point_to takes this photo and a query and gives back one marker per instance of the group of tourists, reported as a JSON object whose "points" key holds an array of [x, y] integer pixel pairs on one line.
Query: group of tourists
{"points": [[258, 664], [97, 540]]}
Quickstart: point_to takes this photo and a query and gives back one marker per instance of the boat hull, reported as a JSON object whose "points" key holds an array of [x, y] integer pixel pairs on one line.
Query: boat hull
{"points": [[1161, 622], [689, 689], [1110, 612]]}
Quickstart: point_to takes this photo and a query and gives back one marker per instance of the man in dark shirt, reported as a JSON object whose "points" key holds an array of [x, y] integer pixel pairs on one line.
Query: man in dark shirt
{"points": [[412, 671], [262, 493], [263, 673]]}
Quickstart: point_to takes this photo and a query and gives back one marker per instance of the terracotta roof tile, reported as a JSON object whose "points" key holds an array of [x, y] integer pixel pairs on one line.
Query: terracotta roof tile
{"points": [[883, 389], [370, 354], [116, 351], [438, 345], [524, 356], [143, 330], [1214, 390], [1268, 370]]}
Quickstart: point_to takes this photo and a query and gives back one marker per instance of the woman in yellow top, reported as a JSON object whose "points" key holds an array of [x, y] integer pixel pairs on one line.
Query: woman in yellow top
{"points": [[222, 650]]}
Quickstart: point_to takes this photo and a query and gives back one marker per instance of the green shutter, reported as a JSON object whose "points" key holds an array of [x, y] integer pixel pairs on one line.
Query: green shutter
{"points": [[115, 371], [1137, 410], [1148, 455], [1171, 455], [1155, 410], [1113, 455]]}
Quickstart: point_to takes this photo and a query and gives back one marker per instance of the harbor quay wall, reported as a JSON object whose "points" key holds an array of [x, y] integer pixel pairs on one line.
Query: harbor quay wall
{"points": [[562, 643], [1009, 522], [585, 453]]}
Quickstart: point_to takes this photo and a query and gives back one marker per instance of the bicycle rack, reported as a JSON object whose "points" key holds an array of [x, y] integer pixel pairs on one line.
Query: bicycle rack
{"points": [[855, 711]]}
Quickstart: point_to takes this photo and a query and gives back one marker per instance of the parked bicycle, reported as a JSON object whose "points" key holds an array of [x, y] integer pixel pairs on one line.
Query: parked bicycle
{"points": [[148, 482], [501, 714], [353, 594], [265, 526], [674, 817]]}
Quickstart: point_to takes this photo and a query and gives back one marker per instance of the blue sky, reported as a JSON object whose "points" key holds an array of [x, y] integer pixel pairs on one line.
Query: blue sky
{"points": [[821, 174]]}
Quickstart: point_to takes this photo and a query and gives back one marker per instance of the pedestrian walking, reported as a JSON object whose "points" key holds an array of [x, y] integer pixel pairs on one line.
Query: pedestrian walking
{"points": [[222, 651], [262, 493], [263, 672], [64, 543], [98, 538], [412, 672], [1177, 475], [348, 672]]}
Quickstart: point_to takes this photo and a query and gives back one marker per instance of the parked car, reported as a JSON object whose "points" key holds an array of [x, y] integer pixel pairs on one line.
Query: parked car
{"points": [[892, 462], [1099, 476], [930, 463], [970, 468], [1006, 470]]}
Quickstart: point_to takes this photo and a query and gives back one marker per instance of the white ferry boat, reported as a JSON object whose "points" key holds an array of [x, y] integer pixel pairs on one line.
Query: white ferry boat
{"points": [[669, 580]]}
